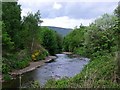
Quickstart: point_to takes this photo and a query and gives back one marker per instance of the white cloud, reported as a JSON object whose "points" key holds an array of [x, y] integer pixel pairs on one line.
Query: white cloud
{"points": [[66, 22], [25, 11], [69, 1], [57, 6], [68, 17]]}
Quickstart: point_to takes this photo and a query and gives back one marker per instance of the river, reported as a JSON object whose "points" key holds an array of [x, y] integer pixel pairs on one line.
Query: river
{"points": [[63, 66]]}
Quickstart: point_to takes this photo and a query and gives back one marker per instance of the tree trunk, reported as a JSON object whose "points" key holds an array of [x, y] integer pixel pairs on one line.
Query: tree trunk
{"points": [[32, 45]]}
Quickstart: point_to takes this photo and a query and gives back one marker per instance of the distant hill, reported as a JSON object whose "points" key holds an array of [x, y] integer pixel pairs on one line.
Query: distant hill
{"points": [[61, 31]]}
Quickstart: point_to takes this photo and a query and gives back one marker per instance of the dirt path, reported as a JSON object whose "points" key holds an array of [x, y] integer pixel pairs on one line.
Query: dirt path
{"points": [[32, 66]]}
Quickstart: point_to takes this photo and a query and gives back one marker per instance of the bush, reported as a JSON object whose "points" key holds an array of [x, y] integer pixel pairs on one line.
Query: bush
{"points": [[39, 55], [81, 51], [50, 40], [22, 64], [5, 69], [98, 73], [35, 84], [6, 77], [15, 61]]}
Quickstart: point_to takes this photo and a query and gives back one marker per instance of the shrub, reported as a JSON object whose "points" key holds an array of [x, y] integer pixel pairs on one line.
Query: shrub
{"points": [[35, 84], [5, 69], [22, 64], [39, 55], [6, 77], [80, 51]]}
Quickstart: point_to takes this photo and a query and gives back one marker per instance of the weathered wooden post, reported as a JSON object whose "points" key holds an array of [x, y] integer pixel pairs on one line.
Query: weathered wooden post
{"points": [[20, 81]]}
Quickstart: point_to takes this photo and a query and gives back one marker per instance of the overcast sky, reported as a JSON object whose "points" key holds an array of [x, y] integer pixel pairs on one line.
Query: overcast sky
{"points": [[68, 14]]}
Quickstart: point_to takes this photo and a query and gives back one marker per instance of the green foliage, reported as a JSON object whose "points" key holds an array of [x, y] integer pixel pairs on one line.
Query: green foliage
{"points": [[35, 84], [39, 54], [15, 61], [22, 59], [74, 40], [63, 83], [99, 73], [103, 71], [59, 43], [80, 51], [95, 38], [6, 77], [7, 44], [5, 69], [100, 41], [106, 21], [117, 33], [30, 31], [22, 64], [49, 39], [11, 16], [97, 42], [43, 55], [88, 40], [21, 38]]}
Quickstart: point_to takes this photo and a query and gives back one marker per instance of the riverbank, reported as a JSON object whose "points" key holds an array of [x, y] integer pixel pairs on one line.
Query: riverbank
{"points": [[68, 53], [100, 72], [63, 67], [31, 67]]}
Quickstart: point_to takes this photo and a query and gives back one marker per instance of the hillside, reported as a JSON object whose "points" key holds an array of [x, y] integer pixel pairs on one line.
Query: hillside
{"points": [[61, 31]]}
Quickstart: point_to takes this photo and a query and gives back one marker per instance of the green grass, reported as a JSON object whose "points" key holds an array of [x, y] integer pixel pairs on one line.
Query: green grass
{"points": [[99, 73]]}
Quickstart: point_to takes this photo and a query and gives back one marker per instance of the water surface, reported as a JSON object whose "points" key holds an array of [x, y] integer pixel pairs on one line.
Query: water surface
{"points": [[63, 66]]}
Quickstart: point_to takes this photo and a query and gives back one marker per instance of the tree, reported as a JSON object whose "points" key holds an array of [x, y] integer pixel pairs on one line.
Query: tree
{"points": [[117, 29], [74, 40], [11, 16], [30, 30], [59, 43], [49, 40], [106, 21], [7, 44]]}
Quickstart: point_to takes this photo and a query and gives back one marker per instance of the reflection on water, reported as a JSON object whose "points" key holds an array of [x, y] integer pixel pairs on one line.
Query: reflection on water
{"points": [[63, 66]]}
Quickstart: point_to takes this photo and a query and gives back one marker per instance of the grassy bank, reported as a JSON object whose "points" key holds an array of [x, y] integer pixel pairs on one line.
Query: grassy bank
{"points": [[99, 73]]}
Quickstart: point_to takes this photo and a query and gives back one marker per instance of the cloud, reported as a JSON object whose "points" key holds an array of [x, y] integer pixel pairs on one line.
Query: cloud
{"points": [[69, 1], [74, 9], [57, 6], [70, 13], [66, 22], [25, 11], [85, 10]]}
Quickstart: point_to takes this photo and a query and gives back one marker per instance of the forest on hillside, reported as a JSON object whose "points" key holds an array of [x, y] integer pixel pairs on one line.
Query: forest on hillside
{"points": [[24, 41]]}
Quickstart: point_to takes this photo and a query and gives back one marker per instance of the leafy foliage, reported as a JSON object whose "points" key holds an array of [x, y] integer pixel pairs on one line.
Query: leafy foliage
{"points": [[30, 31], [74, 40], [99, 73], [11, 17], [7, 44], [117, 32], [50, 40], [22, 39], [99, 42], [7, 77]]}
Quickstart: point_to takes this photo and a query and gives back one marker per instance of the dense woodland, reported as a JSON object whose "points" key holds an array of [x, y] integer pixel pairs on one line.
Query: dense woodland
{"points": [[24, 40]]}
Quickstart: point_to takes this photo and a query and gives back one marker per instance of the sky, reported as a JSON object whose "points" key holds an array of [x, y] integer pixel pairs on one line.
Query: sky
{"points": [[68, 13]]}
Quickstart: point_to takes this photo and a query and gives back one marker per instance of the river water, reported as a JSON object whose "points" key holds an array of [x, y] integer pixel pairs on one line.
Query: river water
{"points": [[63, 66]]}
